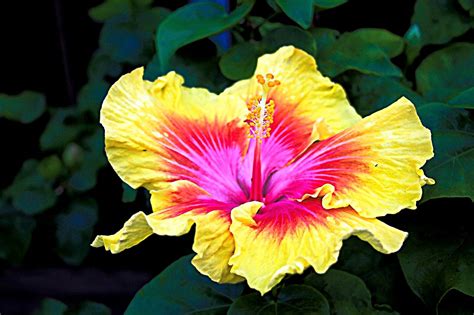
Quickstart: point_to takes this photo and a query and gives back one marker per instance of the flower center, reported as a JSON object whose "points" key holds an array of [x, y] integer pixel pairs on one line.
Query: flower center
{"points": [[259, 118]]}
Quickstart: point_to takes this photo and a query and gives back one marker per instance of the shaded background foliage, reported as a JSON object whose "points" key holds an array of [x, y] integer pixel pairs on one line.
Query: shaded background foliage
{"points": [[57, 189]]}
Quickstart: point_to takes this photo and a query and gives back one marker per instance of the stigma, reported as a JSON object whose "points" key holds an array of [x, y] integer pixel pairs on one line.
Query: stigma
{"points": [[261, 110]]}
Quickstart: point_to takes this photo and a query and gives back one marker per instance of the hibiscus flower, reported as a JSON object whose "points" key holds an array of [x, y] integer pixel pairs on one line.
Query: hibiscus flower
{"points": [[275, 172]]}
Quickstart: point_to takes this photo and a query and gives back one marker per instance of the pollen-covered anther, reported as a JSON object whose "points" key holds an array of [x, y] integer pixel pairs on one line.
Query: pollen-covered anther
{"points": [[261, 110]]}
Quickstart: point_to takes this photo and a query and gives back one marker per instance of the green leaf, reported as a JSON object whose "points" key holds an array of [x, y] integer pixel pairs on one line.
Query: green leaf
{"points": [[55, 307], [25, 107], [364, 50], [446, 72], [50, 167], [435, 23], [129, 194], [289, 35], [92, 95], [453, 139], [346, 293], [240, 61], [16, 230], [85, 177], [465, 99], [51, 307], [293, 299], [30, 192], [378, 271], [300, 11], [467, 5], [74, 230], [111, 8], [193, 22], [437, 259], [370, 93], [181, 289], [102, 65], [62, 128], [324, 37], [73, 155], [89, 308], [328, 4]]}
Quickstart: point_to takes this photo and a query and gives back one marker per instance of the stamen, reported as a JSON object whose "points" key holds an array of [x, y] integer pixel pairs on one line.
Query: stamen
{"points": [[261, 110]]}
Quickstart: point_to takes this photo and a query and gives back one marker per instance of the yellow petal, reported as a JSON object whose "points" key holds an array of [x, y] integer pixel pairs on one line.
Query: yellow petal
{"points": [[374, 166], [265, 253], [138, 119], [176, 209], [303, 89]]}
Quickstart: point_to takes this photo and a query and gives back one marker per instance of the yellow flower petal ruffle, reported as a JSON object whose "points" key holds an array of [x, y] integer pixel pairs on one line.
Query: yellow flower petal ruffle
{"points": [[140, 116], [266, 252], [374, 166], [175, 212]]}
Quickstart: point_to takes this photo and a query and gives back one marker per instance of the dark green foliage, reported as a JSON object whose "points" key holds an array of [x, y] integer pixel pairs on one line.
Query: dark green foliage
{"points": [[431, 64], [181, 289]]}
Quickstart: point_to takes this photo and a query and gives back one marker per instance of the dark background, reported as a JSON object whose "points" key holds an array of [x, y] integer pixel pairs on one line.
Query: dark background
{"points": [[46, 46]]}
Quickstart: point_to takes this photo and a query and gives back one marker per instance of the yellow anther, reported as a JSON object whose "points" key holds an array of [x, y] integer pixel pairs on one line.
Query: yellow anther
{"points": [[261, 109]]}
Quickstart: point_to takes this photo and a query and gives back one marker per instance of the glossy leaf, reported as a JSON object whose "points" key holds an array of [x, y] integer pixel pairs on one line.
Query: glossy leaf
{"points": [[181, 289], [293, 299], [346, 293], [193, 22], [289, 35], [453, 140], [240, 61], [435, 23], [328, 4], [25, 107], [438, 259], [369, 93], [374, 49], [31, 192], [74, 230], [464, 99], [51, 307], [324, 37], [62, 128], [446, 73], [300, 11], [50, 167], [110, 8]]}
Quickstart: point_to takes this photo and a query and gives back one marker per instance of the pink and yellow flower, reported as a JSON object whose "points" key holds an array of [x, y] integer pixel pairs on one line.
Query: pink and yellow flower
{"points": [[275, 172]]}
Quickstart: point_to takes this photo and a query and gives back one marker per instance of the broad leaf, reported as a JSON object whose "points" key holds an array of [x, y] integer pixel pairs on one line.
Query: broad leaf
{"points": [[293, 299], [364, 50], [62, 128], [111, 8], [129, 194], [370, 93], [30, 191], [181, 289], [438, 258], [51, 307], [453, 164], [300, 11], [193, 22], [74, 230], [324, 38], [328, 4], [465, 99], [240, 61], [25, 107], [346, 293], [435, 22], [446, 73], [289, 35]]}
